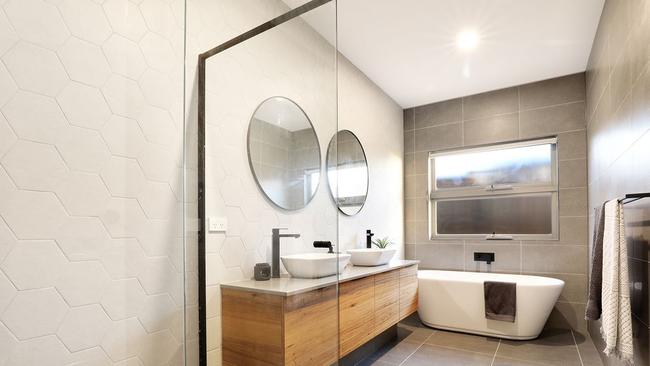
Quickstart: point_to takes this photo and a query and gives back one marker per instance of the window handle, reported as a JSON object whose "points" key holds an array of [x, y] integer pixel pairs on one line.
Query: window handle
{"points": [[498, 237], [498, 187]]}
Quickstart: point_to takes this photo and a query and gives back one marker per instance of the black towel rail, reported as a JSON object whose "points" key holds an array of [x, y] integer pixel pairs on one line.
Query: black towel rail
{"points": [[633, 197]]}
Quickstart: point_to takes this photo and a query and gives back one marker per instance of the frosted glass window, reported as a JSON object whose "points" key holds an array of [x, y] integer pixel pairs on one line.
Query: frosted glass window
{"points": [[496, 215], [517, 165], [503, 191]]}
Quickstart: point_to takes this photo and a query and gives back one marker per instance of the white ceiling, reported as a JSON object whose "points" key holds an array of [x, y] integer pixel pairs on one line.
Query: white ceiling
{"points": [[408, 47]]}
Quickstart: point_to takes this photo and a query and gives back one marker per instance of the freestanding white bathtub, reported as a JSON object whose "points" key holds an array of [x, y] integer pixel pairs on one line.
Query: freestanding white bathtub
{"points": [[454, 301]]}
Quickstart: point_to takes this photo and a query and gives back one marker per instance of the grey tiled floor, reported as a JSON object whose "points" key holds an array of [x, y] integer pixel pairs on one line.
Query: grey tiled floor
{"points": [[419, 345]]}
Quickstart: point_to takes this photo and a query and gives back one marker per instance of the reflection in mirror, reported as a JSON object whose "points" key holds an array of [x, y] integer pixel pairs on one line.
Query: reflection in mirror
{"points": [[284, 153], [347, 172]]}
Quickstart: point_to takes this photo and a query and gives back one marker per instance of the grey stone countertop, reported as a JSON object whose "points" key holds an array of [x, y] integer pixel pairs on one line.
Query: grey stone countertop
{"points": [[288, 286]]}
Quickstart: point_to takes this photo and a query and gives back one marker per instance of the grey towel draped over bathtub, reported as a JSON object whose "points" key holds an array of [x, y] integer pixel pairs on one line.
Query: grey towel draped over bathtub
{"points": [[500, 300]]}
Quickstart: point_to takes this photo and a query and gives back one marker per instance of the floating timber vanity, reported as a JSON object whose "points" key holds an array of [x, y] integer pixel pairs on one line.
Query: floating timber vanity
{"points": [[291, 321]]}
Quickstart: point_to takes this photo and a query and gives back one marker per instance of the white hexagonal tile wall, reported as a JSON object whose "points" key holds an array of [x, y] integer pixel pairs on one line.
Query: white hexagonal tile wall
{"points": [[157, 52], [7, 239], [34, 313], [84, 327], [231, 191], [123, 217], [8, 344], [157, 349], [35, 69], [123, 299], [50, 352], [8, 36], [115, 342], [123, 258], [235, 221], [27, 255], [124, 96], [83, 194], [34, 166], [84, 62], [232, 252], [92, 26], [90, 357], [158, 162], [83, 149], [158, 275], [7, 292], [35, 117], [7, 136], [157, 125], [82, 283], [158, 201], [84, 106], [123, 136], [252, 235], [157, 88], [7, 85], [82, 238], [159, 17], [125, 18], [158, 312], [124, 177], [158, 237], [124, 57], [23, 208], [37, 21]]}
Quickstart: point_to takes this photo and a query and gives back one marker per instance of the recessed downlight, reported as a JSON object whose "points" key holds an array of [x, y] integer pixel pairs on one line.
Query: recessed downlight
{"points": [[467, 40]]}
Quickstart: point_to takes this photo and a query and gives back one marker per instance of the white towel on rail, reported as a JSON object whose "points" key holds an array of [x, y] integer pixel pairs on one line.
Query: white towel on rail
{"points": [[617, 315]]}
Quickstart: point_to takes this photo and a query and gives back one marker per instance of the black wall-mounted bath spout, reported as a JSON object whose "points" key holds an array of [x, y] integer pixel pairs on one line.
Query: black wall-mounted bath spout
{"points": [[484, 257], [369, 236]]}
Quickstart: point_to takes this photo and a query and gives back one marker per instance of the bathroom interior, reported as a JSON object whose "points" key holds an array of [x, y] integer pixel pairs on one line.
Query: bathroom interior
{"points": [[324, 182]]}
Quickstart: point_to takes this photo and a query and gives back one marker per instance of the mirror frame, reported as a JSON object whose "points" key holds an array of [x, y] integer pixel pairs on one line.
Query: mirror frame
{"points": [[250, 161], [365, 157]]}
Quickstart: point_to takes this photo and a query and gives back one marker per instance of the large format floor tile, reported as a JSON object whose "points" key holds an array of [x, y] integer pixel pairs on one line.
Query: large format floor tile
{"points": [[418, 345]]}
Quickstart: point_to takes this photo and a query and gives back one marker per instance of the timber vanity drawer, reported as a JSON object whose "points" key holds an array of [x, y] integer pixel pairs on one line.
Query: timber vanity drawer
{"points": [[302, 322]]}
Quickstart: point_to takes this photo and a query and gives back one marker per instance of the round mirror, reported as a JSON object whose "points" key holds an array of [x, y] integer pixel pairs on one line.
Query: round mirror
{"points": [[284, 153], [347, 172]]}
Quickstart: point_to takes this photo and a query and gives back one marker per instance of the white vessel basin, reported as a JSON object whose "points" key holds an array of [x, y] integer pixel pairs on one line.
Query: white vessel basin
{"points": [[314, 265], [369, 257]]}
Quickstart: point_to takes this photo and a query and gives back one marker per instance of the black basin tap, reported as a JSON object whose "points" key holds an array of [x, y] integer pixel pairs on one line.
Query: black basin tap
{"points": [[369, 235]]}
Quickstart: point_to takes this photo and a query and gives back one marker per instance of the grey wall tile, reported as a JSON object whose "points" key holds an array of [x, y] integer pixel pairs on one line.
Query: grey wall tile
{"points": [[507, 257], [409, 209], [490, 103], [409, 164], [409, 251], [409, 142], [421, 185], [439, 137], [575, 285], [573, 231], [441, 256], [438, 113], [409, 232], [409, 186], [568, 315], [408, 119], [572, 145], [422, 162], [573, 201], [552, 120], [554, 259], [554, 91], [573, 173], [491, 129]]}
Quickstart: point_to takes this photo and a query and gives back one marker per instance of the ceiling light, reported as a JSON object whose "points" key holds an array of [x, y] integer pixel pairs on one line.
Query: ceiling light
{"points": [[467, 40]]}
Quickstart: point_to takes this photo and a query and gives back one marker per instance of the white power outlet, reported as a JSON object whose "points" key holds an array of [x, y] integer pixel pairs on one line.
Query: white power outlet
{"points": [[217, 224]]}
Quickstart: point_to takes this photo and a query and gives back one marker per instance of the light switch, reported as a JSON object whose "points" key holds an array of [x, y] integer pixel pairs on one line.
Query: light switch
{"points": [[217, 224]]}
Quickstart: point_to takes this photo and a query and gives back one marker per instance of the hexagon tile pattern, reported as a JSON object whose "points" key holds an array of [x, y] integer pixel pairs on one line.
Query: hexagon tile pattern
{"points": [[90, 153]]}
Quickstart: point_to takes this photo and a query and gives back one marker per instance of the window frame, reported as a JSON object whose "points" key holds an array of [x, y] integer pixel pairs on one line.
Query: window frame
{"points": [[520, 190]]}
